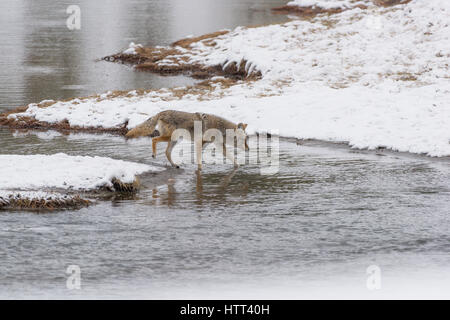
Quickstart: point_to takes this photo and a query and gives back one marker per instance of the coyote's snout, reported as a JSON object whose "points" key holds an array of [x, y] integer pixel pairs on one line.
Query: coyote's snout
{"points": [[169, 121]]}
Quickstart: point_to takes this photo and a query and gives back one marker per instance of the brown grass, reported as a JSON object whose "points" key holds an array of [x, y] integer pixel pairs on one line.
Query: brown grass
{"points": [[389, 3], [119, 186], [17, 202], [310, 11], [150, 58], [176, 62], [202, 90], [406, 76], [306, 12], [29, 123], [186, 43]]}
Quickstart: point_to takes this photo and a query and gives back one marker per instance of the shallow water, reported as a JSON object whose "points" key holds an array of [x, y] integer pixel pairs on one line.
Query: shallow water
{"points": [[310, 230], [329, 213], [43, 59]]}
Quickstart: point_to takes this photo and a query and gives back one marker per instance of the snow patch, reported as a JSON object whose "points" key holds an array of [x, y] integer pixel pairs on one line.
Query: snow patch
{"points": [[61, 171], [328, 4], [132, 48]]}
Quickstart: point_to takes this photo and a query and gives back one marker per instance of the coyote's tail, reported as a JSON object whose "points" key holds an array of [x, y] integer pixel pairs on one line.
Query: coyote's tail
{"points": [[147, 128]]}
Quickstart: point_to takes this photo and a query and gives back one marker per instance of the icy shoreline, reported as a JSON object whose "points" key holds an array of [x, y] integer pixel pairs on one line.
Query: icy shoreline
{"points": [[52, 181], [370, 78]]}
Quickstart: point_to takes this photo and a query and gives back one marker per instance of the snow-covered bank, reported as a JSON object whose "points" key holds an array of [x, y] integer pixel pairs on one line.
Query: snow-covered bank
{"points": [[377, 77], [328, 4], [311, 8], [28, 178], [412, 120], [62, 171]]}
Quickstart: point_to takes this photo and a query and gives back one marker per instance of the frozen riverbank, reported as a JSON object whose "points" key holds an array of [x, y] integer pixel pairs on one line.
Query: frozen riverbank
{"points": [[52, 181], [371, 78], [311, 8]]}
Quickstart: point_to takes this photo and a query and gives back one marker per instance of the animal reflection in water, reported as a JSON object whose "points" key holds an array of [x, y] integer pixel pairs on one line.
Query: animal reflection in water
{"points": [[170, 196]]}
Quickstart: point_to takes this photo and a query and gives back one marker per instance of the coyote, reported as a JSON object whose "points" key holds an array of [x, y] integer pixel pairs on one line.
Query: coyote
{"points": [[161, 126]]}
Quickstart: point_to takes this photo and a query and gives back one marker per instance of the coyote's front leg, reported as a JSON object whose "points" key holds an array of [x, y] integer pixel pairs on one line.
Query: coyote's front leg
{"points": [[230, 156], [198, 153], [170, 146], [155, 141]]}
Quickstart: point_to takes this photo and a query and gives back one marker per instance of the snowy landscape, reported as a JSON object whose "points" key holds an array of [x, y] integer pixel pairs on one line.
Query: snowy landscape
{"points": [[23, 177], [358, 93], [375, 77]]}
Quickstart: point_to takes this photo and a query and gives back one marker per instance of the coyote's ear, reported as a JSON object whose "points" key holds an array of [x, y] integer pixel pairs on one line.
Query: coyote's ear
{"points": [[202, 116], [242, 125]]}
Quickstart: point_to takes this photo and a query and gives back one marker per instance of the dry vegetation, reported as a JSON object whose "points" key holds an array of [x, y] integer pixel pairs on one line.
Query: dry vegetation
{"points": [[29, 123], [18, 202], [174, 59], [203, 90], [311, 11], [119, 186], [388, 3], [62, 201], [306, 12]]}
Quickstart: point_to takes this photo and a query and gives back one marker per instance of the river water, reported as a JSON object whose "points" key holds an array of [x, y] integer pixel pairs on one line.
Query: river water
{"points": [[311, 230]]}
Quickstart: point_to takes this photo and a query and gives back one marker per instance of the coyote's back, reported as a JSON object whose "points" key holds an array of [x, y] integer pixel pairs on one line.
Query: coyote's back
{"points": [[162, 125], [170, 120]]}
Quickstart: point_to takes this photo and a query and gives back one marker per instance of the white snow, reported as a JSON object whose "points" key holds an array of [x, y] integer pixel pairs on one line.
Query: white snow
{"points": [[132, 48], [105, 95], [374, 77], [364, 46], [328, 4], [61, 171]]}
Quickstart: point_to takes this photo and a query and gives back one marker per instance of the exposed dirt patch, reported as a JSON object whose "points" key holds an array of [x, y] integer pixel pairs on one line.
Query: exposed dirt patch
{"points": [[29, 123], [389, 3], [312, 11], [306, 12], [185, 43]]}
